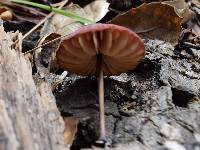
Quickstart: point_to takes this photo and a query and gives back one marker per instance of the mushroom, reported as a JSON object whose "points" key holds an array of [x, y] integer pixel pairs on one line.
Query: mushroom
{"points": [[100, 49]]}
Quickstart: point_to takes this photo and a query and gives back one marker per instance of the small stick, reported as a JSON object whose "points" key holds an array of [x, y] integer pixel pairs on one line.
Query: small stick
{"points": [[101, 107], [49, 42], [43, 20], [192, 45]]}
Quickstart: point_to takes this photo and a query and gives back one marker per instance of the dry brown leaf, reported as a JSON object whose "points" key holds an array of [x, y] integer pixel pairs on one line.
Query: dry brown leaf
{"points": [[22, 12], [154, 20], [182, 9], [64, 25], [70, 129], [5, 14]]}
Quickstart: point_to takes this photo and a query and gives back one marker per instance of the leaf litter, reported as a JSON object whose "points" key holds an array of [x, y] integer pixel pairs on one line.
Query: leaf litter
{"points": [[160, 19], [155, 20]]}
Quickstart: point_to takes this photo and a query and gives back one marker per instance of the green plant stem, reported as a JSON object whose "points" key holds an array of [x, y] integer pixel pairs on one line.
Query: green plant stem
{"points": [[56, 10]]}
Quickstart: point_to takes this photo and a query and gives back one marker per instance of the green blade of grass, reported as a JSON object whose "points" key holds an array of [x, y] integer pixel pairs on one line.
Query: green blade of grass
{"points": [[56, 10]]}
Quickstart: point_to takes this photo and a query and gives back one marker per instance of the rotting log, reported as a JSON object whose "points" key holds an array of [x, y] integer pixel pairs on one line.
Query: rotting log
{"points": [[29, 118], [154, 107]]}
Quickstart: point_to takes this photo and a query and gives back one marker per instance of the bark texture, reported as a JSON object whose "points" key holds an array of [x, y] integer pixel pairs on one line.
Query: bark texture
{"points": [[29, 118], [154, 107]]}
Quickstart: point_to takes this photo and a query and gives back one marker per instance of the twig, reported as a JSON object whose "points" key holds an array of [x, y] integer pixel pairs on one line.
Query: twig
{"points": [[192, 45], [46, 43], [43, 20]]}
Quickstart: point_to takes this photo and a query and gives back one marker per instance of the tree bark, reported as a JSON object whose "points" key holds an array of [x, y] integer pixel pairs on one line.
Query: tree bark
{"points": [[29, 118]]}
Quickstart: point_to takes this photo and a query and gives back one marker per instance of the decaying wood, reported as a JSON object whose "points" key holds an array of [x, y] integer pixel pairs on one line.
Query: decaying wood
{"points": [[154, 107], [29, 118]]}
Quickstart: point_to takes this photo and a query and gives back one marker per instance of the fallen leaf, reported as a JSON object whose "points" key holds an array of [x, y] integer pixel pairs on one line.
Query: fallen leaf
{"points": [[182, 9], [70, 129], [64, 25], [23, 13], [5, 14], [61, 24], [96, 10], [154, 20]]}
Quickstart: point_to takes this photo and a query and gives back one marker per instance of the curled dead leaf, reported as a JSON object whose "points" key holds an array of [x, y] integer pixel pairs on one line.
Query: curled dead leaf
{"points": [[182, 9], [61, 24], [64, 25], [5, 14], [22, 12], [96, 10], [153, 20]]}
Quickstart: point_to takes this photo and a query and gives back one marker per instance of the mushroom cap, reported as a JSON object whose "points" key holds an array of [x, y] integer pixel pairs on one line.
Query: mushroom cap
{"points": [[113, 48]]}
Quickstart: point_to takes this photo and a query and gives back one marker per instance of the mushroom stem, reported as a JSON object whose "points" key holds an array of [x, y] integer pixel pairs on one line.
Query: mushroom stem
{"points": [[101, 106]]}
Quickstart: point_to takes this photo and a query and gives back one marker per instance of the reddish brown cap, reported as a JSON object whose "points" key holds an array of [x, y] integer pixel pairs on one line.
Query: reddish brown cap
{"points": [[114, 48]]}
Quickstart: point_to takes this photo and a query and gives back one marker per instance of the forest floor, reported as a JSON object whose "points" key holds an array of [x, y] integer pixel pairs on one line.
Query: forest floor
{"points": [[155, 106]]}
